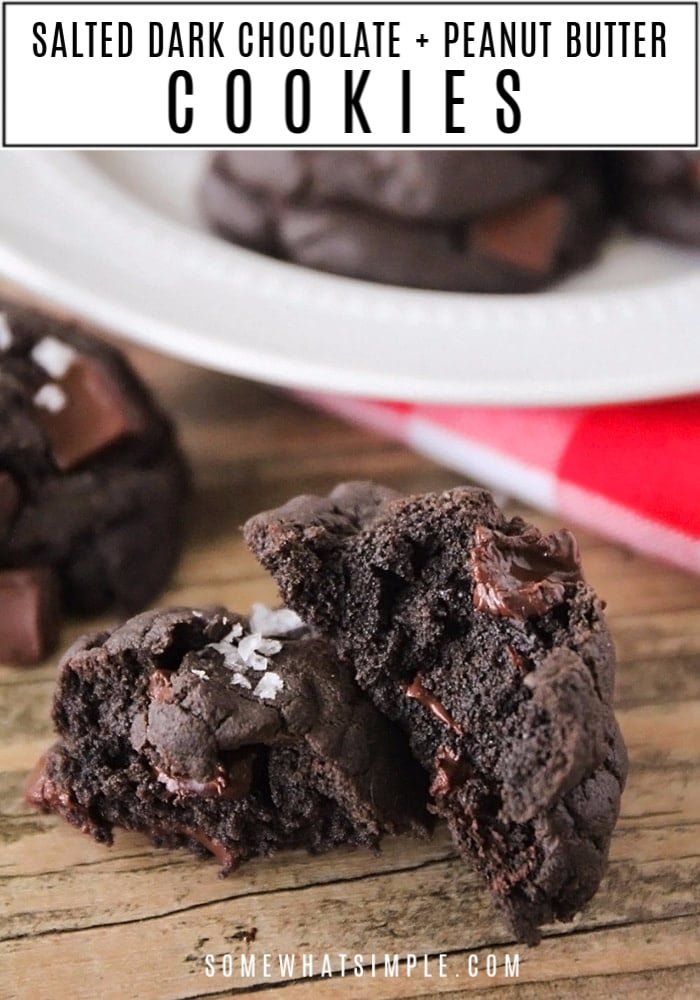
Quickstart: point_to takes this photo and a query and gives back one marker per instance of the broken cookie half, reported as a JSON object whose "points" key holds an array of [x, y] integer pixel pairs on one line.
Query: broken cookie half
{"points": [[479, 636], [230, 735]]}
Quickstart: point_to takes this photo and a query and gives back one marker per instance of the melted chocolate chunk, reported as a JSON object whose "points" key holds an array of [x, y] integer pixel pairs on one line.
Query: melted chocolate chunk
{"points": [[450, 772], [523, 576], [518, 660], [232, 782], [42, 792], [417, 690], [228, 858]]}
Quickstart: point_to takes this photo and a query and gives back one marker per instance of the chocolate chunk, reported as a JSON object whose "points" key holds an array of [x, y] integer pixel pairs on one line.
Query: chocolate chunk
{"points": [[526, 236], [9, 498], [84, 413], [417, 690], [523, 576], [29, 615]]}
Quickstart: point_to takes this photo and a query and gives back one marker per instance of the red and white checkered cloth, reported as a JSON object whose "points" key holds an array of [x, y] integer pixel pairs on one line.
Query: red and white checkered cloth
{"points": [[631, 472]]}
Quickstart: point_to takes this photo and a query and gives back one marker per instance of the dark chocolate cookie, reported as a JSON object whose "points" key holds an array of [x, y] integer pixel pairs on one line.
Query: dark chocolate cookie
{"points": [[427, 185], [519, 248], [659, 192], [481, 638], [239, 737], [92, 483]]}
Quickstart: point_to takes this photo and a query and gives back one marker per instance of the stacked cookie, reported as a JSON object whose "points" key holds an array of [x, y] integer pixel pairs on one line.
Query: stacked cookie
{"points": [[460, 221], [433, 658], [478, 221], [92, 483]]}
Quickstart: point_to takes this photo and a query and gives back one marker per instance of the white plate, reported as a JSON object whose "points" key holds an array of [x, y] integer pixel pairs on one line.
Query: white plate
{"points": [[115, 236]]}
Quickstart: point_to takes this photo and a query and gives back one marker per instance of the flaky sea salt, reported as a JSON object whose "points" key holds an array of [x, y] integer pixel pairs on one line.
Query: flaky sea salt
{"points": [[232, 658], [241, 681], [248, 652], [256, 647], [257, 662], [6, 338], [269, 647], [202, 674], [50, 397], [269, 685], [255, 650], [53, 356], [249, 645], [269, 622]]}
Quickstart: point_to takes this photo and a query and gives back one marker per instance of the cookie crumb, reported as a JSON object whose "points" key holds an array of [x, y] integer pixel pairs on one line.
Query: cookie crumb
{"points": [[247, 936]]}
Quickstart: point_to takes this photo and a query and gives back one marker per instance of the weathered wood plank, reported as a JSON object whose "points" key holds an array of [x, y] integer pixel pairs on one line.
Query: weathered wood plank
{"points": [[593, 965], [169, 952], [84, 877]]}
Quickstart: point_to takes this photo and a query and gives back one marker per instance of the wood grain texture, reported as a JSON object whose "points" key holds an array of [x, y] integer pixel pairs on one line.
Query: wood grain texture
{"points": [[79, 920]]}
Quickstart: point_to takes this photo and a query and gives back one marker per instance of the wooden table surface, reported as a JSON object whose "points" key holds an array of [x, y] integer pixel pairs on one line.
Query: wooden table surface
{"points": [[83, 921]]}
